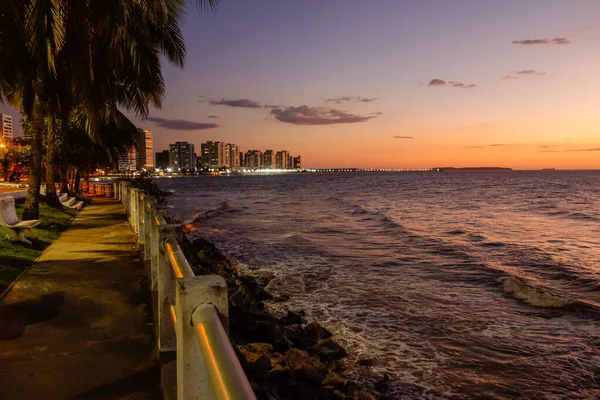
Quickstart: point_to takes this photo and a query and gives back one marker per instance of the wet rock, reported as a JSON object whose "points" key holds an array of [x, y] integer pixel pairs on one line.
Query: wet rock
{"points": [[273, 333], [256, 358], [264, 277], [328, 349], [334, 381], [281, 298], [291, 318], [315, 332], [366, 362], [363, 396], [339, 395], [302, 365], [295, 334], [382, 386], [327, 393], [278, 373]]}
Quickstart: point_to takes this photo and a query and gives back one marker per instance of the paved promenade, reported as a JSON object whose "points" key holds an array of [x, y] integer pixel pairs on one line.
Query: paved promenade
{"points": [[77, 326]]}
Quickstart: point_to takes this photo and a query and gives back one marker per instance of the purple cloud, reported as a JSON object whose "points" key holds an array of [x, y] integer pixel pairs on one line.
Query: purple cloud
{"points": [[348, 99], [238, 103], [437, 82], [542, 41], [403, 137], [461, 85], [305, 115], [181, 124], [531, 72]]}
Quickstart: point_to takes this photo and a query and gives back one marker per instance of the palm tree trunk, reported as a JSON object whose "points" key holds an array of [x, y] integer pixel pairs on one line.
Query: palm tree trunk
{"points": [[32, 204], [51, 197], [76, 180], [64, 180]]}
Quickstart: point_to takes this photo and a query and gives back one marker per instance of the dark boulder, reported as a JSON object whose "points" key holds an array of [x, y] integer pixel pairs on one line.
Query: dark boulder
{"points": [[256, 358], [315, 332], [303, 366], [281, 298], [329, 350], [366, 362], [335, 381], [382, 386], [292, 318], [363, 396]]}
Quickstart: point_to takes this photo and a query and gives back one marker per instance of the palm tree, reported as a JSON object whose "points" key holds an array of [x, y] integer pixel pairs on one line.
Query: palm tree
{"points": [[106, 52]]}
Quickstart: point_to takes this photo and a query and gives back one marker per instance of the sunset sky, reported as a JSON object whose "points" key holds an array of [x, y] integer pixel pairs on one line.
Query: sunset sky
{"points": [[392, 84]]}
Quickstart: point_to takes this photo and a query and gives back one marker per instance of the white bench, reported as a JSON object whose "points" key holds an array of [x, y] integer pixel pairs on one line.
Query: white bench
{"points": [[15, 227]]}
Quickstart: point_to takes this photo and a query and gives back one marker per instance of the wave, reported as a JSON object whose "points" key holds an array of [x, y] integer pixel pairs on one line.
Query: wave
{"points": [[540, 296], [534, 295], [206, 215]]}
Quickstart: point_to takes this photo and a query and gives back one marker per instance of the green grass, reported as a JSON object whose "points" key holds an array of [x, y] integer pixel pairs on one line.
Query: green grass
{"points": [[15, 257]]}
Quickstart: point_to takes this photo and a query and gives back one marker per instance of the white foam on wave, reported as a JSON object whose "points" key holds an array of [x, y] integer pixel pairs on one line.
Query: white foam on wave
{"points": [[534, 295]]}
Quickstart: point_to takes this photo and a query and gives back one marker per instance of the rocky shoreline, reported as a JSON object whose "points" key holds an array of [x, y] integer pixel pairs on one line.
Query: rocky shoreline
{"points": [[287, 357]]}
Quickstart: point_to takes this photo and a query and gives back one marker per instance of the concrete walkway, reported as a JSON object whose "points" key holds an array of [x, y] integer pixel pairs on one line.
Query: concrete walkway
{"points": [[77, 324]]}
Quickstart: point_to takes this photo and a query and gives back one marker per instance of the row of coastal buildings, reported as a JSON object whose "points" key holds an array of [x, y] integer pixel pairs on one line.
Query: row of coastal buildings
{"points": [[214, 156]]}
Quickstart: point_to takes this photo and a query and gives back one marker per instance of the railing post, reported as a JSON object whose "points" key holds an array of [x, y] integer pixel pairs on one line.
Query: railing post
{"points": [[154, 245], [147, 227], [193, 381], [133, 209], [166, 297]]}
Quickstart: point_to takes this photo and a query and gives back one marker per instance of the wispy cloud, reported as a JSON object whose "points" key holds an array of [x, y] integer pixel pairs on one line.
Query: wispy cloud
{"points": [[531, 72], [305, 115], [525, 72], [212, 116], [529, 42], [455, 84], [181, 124], [238, 103], [437, 82], [349, 99], [403, 137], [571, 150], [462, 85], [490, 145]]}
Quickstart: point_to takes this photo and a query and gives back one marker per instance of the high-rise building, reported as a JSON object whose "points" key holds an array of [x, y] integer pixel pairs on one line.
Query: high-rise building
{"points": [[282, 159], [212, 154], [234, 156], [182, 156], [145, 150], [220, 155], [127, 161], [6, 127], [253, 159], [297, 162], [162, 159], [269, 159]]}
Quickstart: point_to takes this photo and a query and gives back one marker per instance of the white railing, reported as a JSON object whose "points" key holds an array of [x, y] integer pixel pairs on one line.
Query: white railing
{"points": [[192, 315]]}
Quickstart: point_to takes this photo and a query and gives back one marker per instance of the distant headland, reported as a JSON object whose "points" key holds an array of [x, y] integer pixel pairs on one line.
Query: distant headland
{"points": [[472, 169]]}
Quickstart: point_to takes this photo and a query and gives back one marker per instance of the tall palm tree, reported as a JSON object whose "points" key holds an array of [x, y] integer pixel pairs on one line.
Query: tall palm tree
{"points": [[109, 51]]}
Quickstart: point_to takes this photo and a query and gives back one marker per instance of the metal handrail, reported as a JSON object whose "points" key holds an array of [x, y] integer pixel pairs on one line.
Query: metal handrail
{"points": [[180, 265], [226, 375], [197, 323]]}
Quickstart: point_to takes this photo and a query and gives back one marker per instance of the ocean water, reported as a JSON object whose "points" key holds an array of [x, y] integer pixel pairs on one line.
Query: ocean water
{"points": [[469, 284]]}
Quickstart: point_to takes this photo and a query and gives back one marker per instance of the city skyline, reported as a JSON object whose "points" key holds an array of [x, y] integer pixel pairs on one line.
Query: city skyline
{"points": [[461, 83]]}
